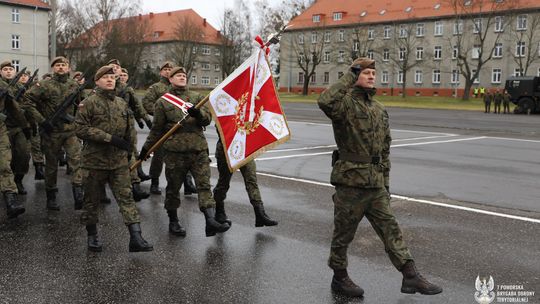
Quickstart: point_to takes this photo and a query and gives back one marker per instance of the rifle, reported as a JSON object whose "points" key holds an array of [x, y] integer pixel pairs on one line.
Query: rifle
{"points": [[26, 85], [60, 114], [13, 81]]}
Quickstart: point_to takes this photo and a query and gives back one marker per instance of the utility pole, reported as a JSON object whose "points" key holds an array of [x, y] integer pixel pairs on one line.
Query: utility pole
{"points": [[52, 28]]}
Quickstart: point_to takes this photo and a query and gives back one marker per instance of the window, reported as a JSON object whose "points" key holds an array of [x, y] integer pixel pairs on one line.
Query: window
{"points": [[477, 25], [475, 52], [338, 16], [194, 50], [438, 31], [401, 54], [520, 49], [301, 77], [371, 34], [521, 23], [498, 50], [356, 46], [455, 76], [370, 54], [400, 77], [193, 79], [386, 55], [205, 80], [458, 27], [436, 76], [15, 42], [419, 53], [455, 52], [498, 24], [341, 35], [313, 37], [496, 75], [326, 78], [384, 77], [420, 30], [205, 66], [216, 80], [437, 52], [16, 65], [217, 52], [518, 72], [341, 56], [15, 15], [313, 78], [326, 36], [316, 18], [476, 79], [205, 50], [326, 57], [216, 67], [418, 76], [301, 39], [194, 65], [387, 32], [403, 32], [339, 75]]}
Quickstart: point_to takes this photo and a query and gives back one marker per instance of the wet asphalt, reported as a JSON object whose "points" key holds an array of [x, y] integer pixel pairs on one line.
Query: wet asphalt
{"points": [[44, 257]]}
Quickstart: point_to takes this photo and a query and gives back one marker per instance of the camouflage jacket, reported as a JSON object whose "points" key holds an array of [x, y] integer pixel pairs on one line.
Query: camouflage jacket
{"points": [[44, 98], [128, 94], [190, 136], [99, 117], [153, 93], [14, 115], [361, 128]]}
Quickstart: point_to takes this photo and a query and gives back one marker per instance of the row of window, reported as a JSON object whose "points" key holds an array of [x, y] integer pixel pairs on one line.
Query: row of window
{"points": [[205, 80], [521, 25], [496, 76], [205, 50], [205, 66], [336, 17]]}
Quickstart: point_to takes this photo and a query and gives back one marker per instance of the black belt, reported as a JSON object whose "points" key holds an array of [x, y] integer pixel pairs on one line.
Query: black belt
{"points": [[354, 157]]}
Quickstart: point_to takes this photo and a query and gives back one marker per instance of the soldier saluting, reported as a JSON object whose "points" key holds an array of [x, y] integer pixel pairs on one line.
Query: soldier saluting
{"points": [[360, 174], [105, 125]]}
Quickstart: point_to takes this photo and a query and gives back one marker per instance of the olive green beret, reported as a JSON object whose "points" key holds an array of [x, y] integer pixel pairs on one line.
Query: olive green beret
{"points": [[363, 63], [177, 70], [59, 59], [6, 64], [108, 69], [167, 64], [114, 61], [124, 70], [77, 74]]}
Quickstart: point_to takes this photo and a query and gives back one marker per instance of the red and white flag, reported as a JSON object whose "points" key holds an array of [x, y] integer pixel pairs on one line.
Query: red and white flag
{"points": [[247, 111], [177, 102]]}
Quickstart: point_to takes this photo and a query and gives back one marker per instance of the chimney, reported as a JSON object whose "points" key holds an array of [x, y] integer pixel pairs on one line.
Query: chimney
{"points": [[151, 15], [204, 21]]}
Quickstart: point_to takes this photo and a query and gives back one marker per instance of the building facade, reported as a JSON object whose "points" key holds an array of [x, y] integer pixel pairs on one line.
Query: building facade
{"points": [[418, 43], [24, 32]]}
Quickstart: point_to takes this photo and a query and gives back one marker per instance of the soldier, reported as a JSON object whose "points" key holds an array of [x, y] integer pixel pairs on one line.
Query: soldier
{"points": [[128, 95], [249, 173], [497, 98], [186, 150], [41, 102], [487, 102], [18, 136], [153, 93], [506, 102], [104, 123], [360, 175], [7, 183], [46, 76]]}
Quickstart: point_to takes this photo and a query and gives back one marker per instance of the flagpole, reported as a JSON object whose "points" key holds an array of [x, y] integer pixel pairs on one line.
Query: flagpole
{"points": [[167, 135]]}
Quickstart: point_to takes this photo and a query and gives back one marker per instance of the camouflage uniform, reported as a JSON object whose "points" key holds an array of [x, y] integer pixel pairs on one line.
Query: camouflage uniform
{"points": [[361, 174], [41, 101], [487, 103], [186, 150], [506, 103], [101, 116], [497, 98]]}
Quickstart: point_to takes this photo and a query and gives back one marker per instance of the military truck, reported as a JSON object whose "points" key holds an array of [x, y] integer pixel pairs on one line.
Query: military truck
{"points": [[525, 93]]}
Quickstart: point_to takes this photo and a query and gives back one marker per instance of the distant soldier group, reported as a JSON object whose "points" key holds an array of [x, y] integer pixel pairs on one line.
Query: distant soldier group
{"points": [[497, 98]]}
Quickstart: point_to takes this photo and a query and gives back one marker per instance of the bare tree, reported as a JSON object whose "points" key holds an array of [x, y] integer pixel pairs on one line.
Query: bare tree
{"points": [[525, 41], [236, 41], [188, 36], [472, 43], [362, 43], [309, 54]]}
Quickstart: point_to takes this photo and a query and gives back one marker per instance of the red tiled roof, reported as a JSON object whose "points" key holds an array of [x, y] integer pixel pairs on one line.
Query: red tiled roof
{"points": [[369, 11], [30, 3]]}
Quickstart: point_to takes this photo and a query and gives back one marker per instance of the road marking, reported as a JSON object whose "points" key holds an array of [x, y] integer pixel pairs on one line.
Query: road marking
{"points": [[425, 137], [421, 201], [423, 132], [515, 139], [300, 149]]}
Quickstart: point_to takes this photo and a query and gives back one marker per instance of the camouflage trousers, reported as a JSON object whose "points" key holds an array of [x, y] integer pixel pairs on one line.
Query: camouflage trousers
{"points": [[249, 173], [176, 167], [133, 173], [35, 149], [119, 182], [20, 151], [51, 145], [7, 182], [156, 164], [350, 206]]}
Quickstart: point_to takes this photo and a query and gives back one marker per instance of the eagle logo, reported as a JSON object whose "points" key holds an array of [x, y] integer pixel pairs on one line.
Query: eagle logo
{"points": [[484, 290]]}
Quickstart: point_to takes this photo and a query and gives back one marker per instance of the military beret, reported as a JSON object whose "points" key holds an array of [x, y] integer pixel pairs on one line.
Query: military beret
{"points": [[77, 74], [59, 59], [107, 69], [363, 63], [114, 61], [27, 72], [177, 70], [46, 75], [6, 64], [167, 64], [124, 70]]}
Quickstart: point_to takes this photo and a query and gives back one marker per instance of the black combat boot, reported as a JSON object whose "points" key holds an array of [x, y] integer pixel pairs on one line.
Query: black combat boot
{"points": [[212, 226], [261, 218], [221, 217], [13, 206], [138, 193], [68, 169], [143, 176], [136, 241], [40, 175], [342, 284], [414, 282], [94, 244], [154, 187], [105, 200], [78, 196], [51, 200], [189, 186], [174, 224], [62, 159], [20, 186]]}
